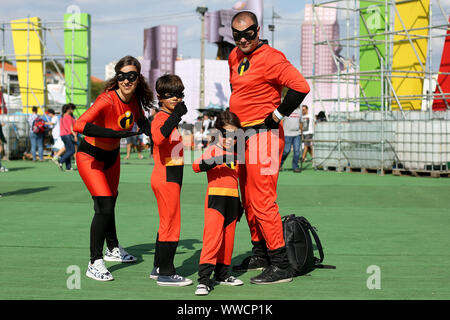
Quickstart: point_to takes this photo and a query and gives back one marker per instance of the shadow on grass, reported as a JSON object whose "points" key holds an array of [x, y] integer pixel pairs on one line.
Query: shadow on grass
{"points": [[26, 191], [19, 169], [189, 265]]}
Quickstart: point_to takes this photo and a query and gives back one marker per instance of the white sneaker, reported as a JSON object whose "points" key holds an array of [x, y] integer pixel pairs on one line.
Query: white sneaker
{"points": [[230, 281], [98, 271], [3, 169], [202, 290], [118, 254]]}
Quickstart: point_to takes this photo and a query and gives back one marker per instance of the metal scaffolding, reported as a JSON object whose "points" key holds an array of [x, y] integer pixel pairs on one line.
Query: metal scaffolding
{"points": [[16, 127], [49, 30], [383, 138]]}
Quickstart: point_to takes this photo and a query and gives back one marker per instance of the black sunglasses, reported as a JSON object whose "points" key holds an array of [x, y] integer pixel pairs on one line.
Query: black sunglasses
{"points": [[169, 95], [130, 76], [248, 34]]}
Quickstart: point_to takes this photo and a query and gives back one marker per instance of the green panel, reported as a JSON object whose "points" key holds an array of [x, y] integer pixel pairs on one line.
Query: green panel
{"points": [[372, 25], [77, 48]]}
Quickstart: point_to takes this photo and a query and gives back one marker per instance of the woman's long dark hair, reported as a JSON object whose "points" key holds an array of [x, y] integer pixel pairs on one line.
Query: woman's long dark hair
{"points": [[143, 92]]}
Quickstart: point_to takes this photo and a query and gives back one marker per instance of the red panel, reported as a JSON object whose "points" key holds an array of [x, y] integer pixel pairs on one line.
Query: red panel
{"points": [[443, 79]]}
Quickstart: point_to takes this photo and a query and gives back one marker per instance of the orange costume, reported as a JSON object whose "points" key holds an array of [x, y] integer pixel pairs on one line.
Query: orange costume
{"points": [[256, 80], [166, 181], [98, 160], [222, 209]]}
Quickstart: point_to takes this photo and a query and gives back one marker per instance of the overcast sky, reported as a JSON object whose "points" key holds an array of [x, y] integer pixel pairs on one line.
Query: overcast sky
{"points": [[118, 26]]}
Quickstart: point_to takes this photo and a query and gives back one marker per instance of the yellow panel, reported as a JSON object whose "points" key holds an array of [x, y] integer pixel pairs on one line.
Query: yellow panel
{"points": [[28, 50], [414, 14]]}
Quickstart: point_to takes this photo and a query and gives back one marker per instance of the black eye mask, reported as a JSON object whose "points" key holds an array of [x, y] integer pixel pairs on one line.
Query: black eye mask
{"points": [[248, 34], [169, 95], [130, 76]]}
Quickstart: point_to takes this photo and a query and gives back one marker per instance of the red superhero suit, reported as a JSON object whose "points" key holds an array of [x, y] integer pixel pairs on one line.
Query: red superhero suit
{"points": [[256, 80], [222, 209], [166, 181], [98, 160]]}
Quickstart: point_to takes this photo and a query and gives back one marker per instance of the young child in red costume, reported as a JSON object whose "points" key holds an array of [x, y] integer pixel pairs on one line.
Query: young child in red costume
{"points": [[222, 205], [108, 120], [167, 177]]}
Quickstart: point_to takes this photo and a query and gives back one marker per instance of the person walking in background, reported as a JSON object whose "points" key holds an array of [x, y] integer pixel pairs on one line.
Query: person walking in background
{"points": [[68, 136], [36, 135], [2, 149], [292, 137], [222, 205], [58, 145], [167, 178], [257, 75], [134, 142], [109, 119], [307, 128]]}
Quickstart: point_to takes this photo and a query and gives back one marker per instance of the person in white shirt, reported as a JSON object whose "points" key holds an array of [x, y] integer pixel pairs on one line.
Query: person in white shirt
{"points": [[58, 144], [307, 129]]}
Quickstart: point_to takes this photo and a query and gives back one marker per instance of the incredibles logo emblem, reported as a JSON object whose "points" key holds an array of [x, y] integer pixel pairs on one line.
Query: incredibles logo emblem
{"points": [[126, 120], [243, 66]]}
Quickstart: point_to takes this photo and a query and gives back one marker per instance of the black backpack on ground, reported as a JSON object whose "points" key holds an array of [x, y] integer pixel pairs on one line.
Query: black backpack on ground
{"points": [[297, 233]]}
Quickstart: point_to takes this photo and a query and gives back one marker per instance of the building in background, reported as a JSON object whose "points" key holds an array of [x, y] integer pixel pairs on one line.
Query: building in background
{"points": [[319, 26], [218, 25], [217, 85], [160, 52]]}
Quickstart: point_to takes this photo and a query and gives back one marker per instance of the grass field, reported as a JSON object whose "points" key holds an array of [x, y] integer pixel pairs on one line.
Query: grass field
{"points": [[399, 224]]}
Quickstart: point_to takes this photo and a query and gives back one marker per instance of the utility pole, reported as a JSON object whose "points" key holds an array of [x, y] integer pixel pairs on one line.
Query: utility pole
{"points": [[202, 11], [272, 26]]}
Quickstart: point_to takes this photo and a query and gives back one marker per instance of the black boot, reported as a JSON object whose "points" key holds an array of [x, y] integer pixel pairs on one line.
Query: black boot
{"points": [[279, 271], [258, 261]]}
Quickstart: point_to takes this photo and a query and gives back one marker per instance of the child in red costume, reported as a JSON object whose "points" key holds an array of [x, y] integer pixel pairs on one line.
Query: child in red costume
{"points": [[167, 177], [108, 120], [222, 205]]}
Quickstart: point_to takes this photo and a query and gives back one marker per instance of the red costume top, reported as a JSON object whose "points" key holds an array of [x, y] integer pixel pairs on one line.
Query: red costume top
{"points": [[167, 152], [257, 80], [222, 180], [109, 111]]}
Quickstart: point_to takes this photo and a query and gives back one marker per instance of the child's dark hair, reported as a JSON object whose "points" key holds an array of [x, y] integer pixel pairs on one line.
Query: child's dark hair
{"points": [[169, 83], [227, 117]]}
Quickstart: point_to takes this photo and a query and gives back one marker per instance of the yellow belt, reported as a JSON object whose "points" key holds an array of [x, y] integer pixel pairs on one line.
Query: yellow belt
{"points": [[215, 191], [169, 162]]}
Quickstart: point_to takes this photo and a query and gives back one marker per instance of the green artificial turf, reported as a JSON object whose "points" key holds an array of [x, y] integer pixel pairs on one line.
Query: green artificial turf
{"points": [[399, 224]]}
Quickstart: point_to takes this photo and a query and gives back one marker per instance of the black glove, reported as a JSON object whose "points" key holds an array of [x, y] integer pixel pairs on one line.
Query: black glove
{"points": [[144, 126], [270, 123], [208, 164], [180, 109], [92, 130]]}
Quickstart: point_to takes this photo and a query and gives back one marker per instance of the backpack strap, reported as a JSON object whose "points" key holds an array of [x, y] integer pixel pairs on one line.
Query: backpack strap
{"points": [[318, 262]]}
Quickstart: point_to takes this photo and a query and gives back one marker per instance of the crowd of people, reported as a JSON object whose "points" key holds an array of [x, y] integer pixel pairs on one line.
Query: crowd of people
{"points": [[237, 182]]}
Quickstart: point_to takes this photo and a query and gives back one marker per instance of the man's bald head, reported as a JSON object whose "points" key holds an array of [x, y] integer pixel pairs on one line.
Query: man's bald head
{"points": [[244, 15]]}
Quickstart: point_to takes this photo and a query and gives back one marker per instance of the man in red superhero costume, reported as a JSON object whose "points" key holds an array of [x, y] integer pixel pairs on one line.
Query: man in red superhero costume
{"points": [[257, 75], [108, 120]]}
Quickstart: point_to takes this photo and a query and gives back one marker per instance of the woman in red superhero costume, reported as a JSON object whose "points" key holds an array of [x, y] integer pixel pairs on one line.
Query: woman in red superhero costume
{"points": [[222, 205], [108, 120]]}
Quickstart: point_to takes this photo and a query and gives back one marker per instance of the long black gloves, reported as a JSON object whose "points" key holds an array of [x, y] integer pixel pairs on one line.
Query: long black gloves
{"points": [[227, 159], [175, 118], [291, 101], [144, 126], [92, 130]]}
